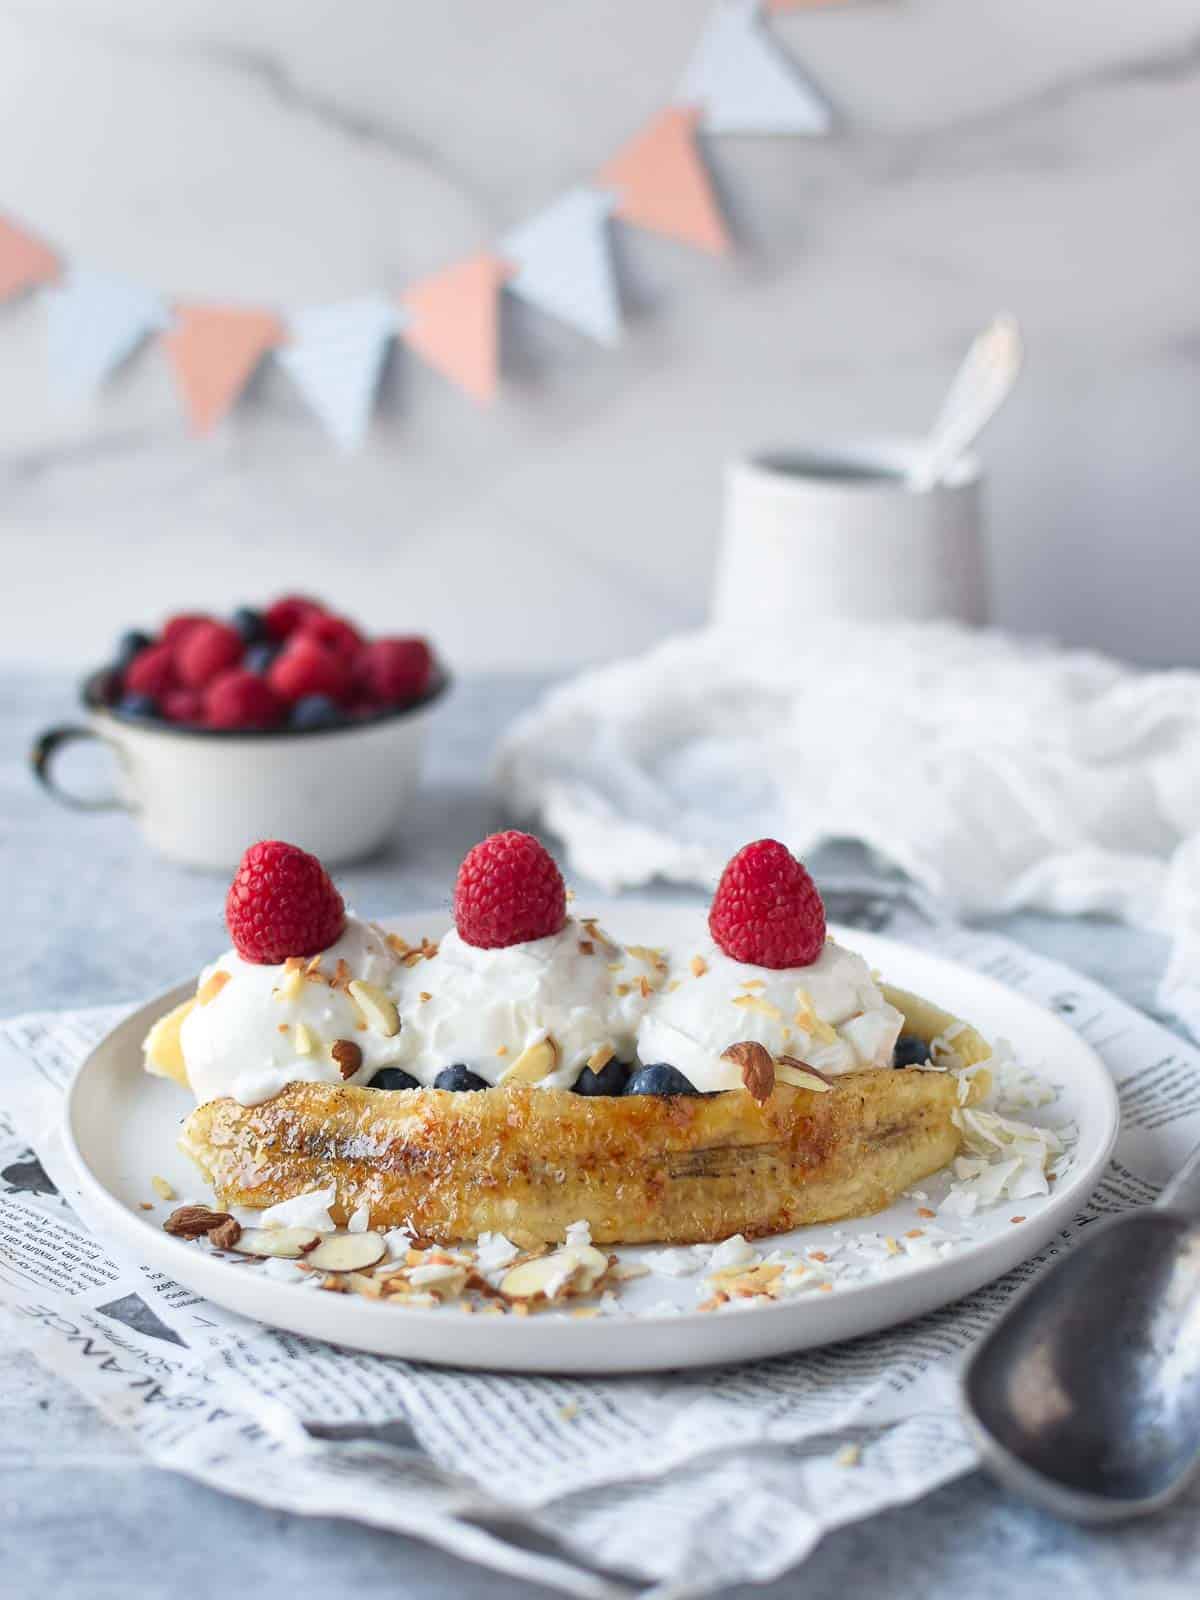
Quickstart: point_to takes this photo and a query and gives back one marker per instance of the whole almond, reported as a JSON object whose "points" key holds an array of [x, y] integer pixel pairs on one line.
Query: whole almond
{"points": [[758, 1067], [347, 1055], [190, 1222], [226, 1234]]}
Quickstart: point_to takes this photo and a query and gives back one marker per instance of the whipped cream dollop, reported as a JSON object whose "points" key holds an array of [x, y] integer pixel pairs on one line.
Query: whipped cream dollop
{"points": [[486, 1008], [259, 1028], [830, 1014]]}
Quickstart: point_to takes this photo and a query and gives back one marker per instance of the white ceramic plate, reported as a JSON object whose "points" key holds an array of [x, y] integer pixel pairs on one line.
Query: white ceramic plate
{"points": [[121, 1128]]}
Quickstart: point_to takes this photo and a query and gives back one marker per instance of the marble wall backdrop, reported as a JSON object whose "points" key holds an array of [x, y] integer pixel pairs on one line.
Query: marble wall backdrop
{"points": [[1039, 157]]}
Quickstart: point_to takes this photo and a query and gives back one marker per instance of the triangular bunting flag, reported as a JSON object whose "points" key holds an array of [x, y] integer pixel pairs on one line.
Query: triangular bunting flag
{"points": [[94, 321], [453, 324], [335, 355], [24, 260], [744, 83], [214, 351], [660, 182], [563, 265]]}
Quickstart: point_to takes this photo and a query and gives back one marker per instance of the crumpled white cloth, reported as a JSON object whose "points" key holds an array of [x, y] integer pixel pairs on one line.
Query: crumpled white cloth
{"points": [[997, 772]]}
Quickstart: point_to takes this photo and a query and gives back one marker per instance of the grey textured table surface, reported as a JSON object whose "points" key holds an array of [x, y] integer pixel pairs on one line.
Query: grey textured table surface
{"points": [[89, 917]]}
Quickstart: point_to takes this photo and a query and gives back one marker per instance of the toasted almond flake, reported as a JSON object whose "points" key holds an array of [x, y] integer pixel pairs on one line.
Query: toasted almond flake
{"points": [[817, 1255], [755, 1002], [281, 1027], [623, 989], [673, 985], [397, 945], [756, 1066], [341, 975], [600, 1058], [624, 1271], [893, 1249], [503, 1050], [413, 958], [614, 966], [289, 985], [915, 1233], [745, 1282], [1016, 1219], [347, 1056], [717, 1300], [754, 983], [848, 1456], [924, 1211], [313, 967], [825, 1288], [211, 987], [536, 1062], [371, 1288], [699, 966], [644, 987], [587, 947], [145, 1205], [424, 995], [162, 1188], [645, 953]]}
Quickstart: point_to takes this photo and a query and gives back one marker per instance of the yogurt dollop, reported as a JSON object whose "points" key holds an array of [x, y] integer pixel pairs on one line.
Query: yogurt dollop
{"points": [[264, 1027], [830, 1014], [485, 1008]]}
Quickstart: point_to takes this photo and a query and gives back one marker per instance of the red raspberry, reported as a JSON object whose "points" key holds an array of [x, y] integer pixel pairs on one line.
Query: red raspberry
{"points": [[282, 903], [183, 705], [152, 672], [508, 890], [396, 670], [304, 667], [335, 633], [767, 910], [210, 649], [176, 629], [241, 699], [286, 615]]}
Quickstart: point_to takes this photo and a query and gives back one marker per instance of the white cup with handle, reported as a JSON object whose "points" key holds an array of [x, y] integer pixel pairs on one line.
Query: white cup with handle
{"points": [[831, 531]]}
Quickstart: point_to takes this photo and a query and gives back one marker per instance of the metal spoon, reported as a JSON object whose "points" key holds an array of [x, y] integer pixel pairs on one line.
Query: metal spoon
{"points": [[1085, 1396], [979, 389]]}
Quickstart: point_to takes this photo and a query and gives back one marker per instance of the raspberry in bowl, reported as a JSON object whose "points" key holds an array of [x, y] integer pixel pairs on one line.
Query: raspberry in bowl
{"points": [[282, 720]]}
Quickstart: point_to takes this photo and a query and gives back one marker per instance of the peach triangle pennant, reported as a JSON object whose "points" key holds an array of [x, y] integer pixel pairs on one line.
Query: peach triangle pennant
{"points": [[24, 260], [660, 182], [453, 322], [214, 351]]}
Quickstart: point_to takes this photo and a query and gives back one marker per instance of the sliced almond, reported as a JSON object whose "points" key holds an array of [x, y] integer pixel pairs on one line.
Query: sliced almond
{"points": [[211, 987], [755, 1002], [699, 966], [347, 1252], [378, 1008], [757, 1067], [341, 975], [226, 1234], [162, 1188], [347, 1055], [190, 1222], [289, 1244], [533, 1064], [801, 1076], [290, 984], [600, 1058], [304, 1040], [547, 1276], [593, 1264]]}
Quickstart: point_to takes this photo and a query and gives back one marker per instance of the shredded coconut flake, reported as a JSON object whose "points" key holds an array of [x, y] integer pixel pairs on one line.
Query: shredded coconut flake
{"points": [[494, 1251], [360, 1219], [303, 1211], [733, 1252]]}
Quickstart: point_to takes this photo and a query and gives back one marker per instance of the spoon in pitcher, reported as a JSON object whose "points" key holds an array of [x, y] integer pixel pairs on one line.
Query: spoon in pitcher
{"points": [[1085, 1396], [980, 387]]}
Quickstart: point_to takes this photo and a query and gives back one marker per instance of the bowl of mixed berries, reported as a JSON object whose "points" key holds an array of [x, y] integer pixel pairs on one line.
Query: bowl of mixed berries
{"points": [[285, 721]]}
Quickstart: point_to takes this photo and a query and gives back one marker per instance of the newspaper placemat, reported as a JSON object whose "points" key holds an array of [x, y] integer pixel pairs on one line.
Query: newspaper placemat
{"points": [[674, 1484]]}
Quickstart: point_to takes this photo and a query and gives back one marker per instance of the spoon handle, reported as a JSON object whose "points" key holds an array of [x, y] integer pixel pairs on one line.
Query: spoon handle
{"points": [[1183, 1192]]}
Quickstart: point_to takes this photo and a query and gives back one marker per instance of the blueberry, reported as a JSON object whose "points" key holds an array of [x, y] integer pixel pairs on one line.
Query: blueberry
{"points": [[316, 711], [138, 705], [659, 1079], [259, 657], [250, 625], [129, 645], [459, 1077], [393, 1078], [910, 1051], [611, 1079]]}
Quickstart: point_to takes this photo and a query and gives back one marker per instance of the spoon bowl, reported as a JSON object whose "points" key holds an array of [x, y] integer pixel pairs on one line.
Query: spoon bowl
{"points": [[1085, 1397]]}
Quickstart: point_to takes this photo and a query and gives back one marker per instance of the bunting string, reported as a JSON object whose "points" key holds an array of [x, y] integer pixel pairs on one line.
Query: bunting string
{"points": [[559, 261]]}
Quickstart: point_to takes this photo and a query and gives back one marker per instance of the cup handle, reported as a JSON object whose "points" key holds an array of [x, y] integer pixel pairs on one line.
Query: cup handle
{"points": [[41, 759]]}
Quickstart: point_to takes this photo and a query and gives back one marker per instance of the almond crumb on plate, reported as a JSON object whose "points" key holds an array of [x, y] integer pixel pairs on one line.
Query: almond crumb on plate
{"points": [[924, 1211], [848, 1456], [162, 1188], [1016, 1219]]}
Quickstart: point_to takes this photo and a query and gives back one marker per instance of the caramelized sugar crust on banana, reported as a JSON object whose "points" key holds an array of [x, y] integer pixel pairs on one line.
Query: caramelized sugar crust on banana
{"points": [[527, 1161]]}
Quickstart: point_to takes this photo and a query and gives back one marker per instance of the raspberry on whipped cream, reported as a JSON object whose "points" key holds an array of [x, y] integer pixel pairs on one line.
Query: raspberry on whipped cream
{"points": [[256, 1028], [484, 1008], [830, 1014]]}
